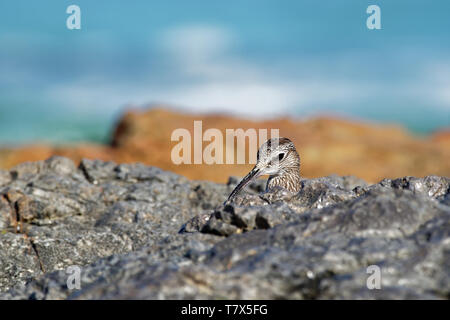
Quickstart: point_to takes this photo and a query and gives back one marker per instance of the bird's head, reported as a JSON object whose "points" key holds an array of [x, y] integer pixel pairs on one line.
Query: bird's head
{"points": [[275, 157]]}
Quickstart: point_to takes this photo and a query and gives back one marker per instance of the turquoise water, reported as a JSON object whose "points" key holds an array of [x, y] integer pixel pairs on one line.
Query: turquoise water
{"points": [[250, 58]]}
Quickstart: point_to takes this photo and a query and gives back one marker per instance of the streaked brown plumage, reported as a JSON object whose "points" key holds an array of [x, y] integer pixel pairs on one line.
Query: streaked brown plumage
{"points": [[279, 159]]}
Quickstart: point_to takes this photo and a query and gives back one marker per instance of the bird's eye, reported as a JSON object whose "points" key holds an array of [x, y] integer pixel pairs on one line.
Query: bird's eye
{"points": [[281, 156]]}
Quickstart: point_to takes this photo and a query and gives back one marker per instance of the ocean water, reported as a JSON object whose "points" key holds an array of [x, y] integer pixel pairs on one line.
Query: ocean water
{"points": [[255, 59]]}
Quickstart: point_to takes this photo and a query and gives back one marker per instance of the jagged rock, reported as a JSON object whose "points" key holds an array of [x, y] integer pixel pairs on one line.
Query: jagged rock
{"points": [[143, 233], [430, 186]]}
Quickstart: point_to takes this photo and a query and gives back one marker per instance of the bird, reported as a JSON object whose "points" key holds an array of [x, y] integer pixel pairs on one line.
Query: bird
{"points": [[279, 159]]}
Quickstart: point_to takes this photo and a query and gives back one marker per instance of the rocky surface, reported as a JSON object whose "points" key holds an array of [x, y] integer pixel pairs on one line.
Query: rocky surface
{"points": [[139, 232], [326, 145]]}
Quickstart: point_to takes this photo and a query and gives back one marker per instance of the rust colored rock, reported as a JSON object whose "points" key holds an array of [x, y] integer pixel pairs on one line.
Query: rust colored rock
{"points": [[326, 146]]}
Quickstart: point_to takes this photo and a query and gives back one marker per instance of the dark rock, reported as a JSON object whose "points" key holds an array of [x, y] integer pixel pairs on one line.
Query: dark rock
{"points": [[142, 233], [431, 186]]}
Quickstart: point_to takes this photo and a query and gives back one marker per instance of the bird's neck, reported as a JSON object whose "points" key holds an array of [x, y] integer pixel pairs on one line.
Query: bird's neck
{"points": [[289, 179]]}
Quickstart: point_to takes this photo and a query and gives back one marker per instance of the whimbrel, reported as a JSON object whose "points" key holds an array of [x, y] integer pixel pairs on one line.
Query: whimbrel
{"points": [[279, 159]]}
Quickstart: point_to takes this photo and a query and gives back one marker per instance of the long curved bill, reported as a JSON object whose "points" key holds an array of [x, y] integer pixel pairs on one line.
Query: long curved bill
{"points": [[245, 181]]}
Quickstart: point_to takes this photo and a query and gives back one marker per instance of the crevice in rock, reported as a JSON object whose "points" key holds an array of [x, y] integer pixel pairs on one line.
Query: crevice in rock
{"points": [[85, 173], [261, 223], [17, 223], [36, 252], [14, 175]]}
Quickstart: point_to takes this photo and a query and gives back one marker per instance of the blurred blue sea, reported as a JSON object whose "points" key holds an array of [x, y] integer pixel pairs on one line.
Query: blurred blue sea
{"points": [[250, 58]]}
